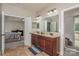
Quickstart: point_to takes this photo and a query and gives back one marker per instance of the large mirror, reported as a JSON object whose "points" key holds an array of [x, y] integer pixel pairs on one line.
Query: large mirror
{"points": [[47, 24], [51, 24]]}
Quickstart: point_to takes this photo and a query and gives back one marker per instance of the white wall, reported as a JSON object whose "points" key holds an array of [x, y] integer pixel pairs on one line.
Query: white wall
{"points": [[27, 31]]}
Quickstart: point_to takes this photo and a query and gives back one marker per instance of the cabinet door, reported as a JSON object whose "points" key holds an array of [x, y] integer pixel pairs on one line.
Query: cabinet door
{"points": [[55, 46], [37, 40], [34, 38], [48, 46], [42, 44]]}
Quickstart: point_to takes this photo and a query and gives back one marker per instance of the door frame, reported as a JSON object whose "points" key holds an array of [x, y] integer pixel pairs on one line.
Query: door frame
{"points": [[3, 44], [62, 33], [3, 29]]}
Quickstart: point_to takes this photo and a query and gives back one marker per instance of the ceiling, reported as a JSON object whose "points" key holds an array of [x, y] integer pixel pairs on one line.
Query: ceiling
{"points": [[34, 7], [38, 8]]}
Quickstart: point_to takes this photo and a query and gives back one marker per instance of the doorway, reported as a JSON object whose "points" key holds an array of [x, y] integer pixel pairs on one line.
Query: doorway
{"points": [[71, 31], [14, 33]]}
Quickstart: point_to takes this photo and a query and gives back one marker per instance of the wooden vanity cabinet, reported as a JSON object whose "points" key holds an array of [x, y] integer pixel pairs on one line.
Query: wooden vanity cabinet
{"points": [[47, 44], [55, 46], [52, 46], [33, 37], [42, 42]]}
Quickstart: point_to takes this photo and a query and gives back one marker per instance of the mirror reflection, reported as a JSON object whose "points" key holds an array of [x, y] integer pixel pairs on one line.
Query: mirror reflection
{"points": [[46, 25], [51, 24]]}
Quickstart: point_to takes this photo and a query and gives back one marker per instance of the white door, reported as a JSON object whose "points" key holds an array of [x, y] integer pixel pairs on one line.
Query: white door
{"points": [[27, 31]]}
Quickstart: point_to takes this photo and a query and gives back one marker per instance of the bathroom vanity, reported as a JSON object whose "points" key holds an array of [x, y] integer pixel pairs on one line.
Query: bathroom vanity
{"points": [[46, 35], [48, 43]]}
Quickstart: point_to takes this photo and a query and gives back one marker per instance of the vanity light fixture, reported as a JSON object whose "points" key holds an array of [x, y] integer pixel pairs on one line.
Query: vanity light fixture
{"points": [[52, 11], [38, 17], [55, 10]]}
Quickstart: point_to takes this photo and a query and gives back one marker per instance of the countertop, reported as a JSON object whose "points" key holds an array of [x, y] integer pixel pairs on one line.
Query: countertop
{"points": [[55, 35]]}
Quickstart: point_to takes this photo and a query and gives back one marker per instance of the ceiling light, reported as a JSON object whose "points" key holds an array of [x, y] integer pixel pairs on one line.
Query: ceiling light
{"points": [[50, 12], [38, 17], [55, 10]]}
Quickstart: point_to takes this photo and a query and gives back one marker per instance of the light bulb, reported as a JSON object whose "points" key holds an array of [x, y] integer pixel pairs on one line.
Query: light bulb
{"points": [[50, 12], [55, 10], [38, 17]]}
